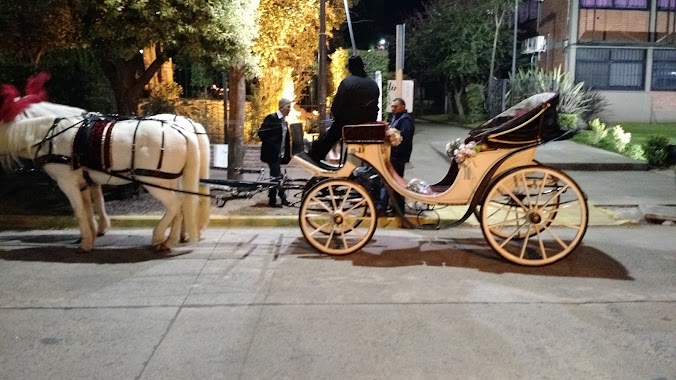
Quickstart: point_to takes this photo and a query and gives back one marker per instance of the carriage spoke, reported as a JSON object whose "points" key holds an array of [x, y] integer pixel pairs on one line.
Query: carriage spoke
{"points": [[333, 198], [321, 203], [542, 244], [345, 198], [525, 187], [525, 244], [514, 198], [361, 203]]}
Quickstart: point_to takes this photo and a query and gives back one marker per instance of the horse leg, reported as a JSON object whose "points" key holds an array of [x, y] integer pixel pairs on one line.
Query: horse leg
{"points": [[100, 210], [69, 182], [172, 204]]}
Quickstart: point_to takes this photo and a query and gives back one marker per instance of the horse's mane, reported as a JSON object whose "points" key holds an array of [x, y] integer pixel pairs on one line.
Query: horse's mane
{"points": [[35, 93]]}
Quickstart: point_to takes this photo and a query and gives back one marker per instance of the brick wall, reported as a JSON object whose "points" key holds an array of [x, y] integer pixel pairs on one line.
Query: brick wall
{"points": [[613, 25], [553, 25]]}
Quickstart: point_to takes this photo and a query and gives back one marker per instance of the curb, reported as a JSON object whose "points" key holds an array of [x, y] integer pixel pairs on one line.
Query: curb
{"points": [[443, 218]]}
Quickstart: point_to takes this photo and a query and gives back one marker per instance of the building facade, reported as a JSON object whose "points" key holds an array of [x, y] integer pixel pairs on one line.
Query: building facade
{"points": [[624, 48]]}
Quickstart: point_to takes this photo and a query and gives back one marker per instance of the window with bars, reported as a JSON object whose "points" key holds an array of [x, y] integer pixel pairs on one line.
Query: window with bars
{"points": [[664, 70], [611, 69], [614, 4], [666, 5]]}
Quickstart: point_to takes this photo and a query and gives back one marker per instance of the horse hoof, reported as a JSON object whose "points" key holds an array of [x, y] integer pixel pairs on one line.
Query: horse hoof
{"points": [[99, 234], [161, 248], [81, 251]]}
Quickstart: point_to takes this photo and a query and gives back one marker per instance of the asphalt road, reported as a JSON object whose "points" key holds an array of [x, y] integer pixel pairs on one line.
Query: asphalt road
{"points": [[260, 304]]}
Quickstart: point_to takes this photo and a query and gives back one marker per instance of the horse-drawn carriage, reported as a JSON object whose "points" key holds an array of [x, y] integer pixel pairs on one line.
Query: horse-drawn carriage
{"points": [[529, 213]]}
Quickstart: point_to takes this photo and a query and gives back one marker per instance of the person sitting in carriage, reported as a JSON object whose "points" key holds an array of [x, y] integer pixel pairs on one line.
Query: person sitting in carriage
{"points": [[355, 102]]}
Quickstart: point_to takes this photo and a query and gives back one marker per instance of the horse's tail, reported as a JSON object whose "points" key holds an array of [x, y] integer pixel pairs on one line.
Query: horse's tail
{"points": [[204, 208], [190, 184]]}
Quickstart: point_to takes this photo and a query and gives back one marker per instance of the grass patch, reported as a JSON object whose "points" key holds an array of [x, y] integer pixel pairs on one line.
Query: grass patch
{"points": [[640, 132]]}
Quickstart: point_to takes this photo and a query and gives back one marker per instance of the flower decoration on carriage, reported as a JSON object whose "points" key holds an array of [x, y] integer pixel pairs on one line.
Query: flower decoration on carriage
{"points": [[393, 136], [461, 151], [418, 186]]}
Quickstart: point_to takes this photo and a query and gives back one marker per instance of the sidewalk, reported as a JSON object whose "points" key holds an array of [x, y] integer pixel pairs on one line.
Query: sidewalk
{"points": [[620, 190]]}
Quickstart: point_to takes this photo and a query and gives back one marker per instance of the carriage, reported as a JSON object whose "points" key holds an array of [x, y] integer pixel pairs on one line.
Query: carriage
{"points": [[529, 213]]}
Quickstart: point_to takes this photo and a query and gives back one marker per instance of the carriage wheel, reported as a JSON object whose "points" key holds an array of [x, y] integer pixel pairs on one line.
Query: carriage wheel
{"points": [[337, 216], [534, 215]]}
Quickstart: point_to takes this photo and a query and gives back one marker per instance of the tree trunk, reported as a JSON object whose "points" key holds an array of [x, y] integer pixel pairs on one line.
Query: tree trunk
{"points": [[235, 129], [499, 17], [126, 84]]}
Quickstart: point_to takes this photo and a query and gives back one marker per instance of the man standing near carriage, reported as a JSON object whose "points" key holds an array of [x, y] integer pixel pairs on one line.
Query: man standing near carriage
{"points": [[276, 148], [400, 154]]}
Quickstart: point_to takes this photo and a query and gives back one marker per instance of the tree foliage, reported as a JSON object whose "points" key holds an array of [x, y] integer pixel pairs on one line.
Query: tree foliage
{"points": [[287, 46], [116, 30], [453, 41]]}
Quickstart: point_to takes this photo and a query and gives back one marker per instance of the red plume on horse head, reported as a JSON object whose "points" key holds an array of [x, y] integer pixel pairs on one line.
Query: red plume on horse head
{"points": [[13, 104]]}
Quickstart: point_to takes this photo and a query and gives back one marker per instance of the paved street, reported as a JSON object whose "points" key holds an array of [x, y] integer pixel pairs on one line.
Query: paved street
{"points": [[259, 303]]}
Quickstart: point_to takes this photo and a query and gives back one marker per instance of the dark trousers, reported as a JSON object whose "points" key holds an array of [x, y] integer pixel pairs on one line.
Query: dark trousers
{"points": [[275, 172], [384, 202], [323, 145]]}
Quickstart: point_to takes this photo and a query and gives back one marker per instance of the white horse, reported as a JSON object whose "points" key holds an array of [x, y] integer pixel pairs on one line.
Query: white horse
{"points": [[159, 155], [192, 130]]}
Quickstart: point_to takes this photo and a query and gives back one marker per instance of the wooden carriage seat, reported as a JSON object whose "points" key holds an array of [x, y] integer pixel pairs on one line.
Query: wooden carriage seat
{"points": [[372, 133]]}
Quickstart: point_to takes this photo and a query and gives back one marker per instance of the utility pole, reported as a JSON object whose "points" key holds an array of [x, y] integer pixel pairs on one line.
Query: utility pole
{"points": [[399, 60], [321, 52]]}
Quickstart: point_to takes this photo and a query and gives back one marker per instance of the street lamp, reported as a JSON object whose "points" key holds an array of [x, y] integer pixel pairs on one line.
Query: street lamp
{"points": [[382, 44]]}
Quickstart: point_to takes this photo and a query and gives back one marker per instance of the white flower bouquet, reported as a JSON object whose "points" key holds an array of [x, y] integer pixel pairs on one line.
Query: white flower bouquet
{"points": [[461, 151], [393, 136]]}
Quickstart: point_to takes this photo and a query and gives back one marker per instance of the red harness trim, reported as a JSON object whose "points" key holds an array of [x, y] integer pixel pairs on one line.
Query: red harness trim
{"points": [[35, 93]]}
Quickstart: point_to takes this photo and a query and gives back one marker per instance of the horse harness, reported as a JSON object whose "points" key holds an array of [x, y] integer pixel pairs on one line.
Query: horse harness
{"points": [[91, 149]]}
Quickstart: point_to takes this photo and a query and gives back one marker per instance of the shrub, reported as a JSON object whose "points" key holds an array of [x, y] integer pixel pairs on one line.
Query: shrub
{"points": [[475, 102], [634, 151], [616, 139], [163, 99], [655, 150], [568, 121], [597, 132]]}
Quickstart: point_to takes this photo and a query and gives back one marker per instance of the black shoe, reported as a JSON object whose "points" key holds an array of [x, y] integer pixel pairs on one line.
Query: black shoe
{"points": [[274, 204], [286, 203]]}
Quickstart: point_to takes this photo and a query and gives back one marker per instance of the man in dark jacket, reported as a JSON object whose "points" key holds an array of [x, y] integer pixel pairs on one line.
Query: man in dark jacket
{"points": [[355, 102], [400, 154], [275, 150]]}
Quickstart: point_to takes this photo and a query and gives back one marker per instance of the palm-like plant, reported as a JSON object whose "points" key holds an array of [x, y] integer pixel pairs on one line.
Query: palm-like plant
{"points": [[574, 98]]}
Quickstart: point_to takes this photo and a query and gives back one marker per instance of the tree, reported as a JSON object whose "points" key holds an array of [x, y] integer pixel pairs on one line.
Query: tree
{"points": [[116, 31], [452, 40], [30, 28], [287, 47]]}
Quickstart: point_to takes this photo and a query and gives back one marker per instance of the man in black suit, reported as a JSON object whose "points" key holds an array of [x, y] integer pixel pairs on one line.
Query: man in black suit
{"points": [[276, 150]]}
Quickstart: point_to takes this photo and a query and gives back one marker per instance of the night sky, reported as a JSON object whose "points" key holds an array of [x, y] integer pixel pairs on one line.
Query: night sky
{"points": [[376, 19]]}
